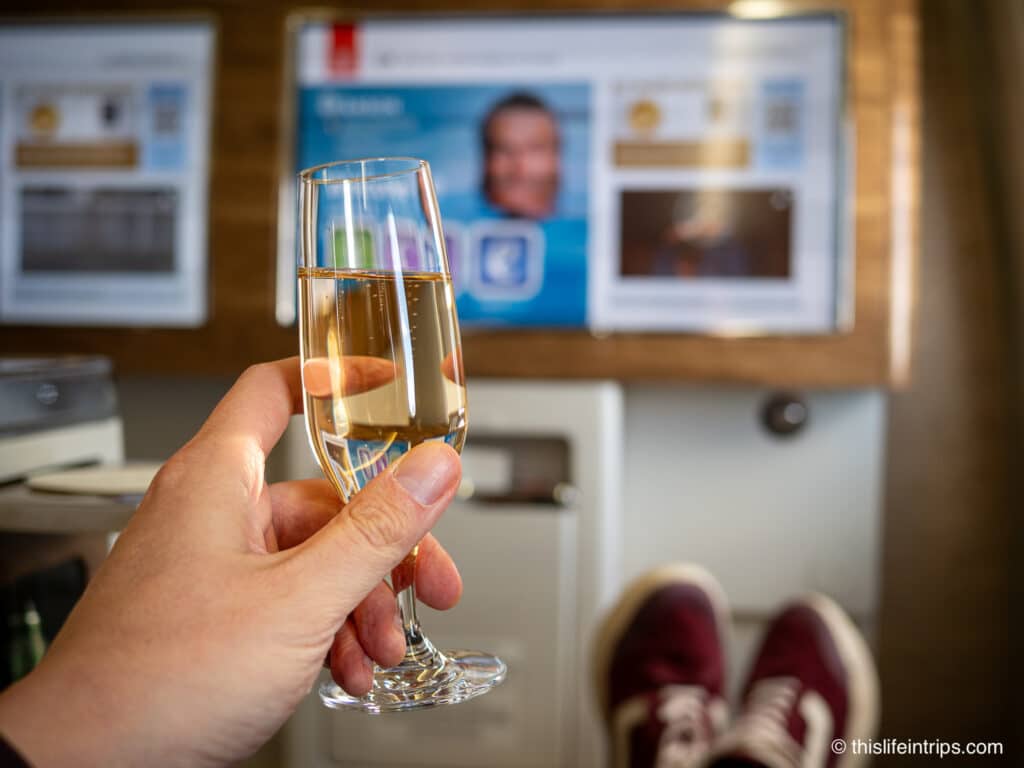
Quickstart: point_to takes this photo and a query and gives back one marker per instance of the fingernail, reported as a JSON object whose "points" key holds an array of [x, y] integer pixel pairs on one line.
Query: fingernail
{"points": [[427, 471]]}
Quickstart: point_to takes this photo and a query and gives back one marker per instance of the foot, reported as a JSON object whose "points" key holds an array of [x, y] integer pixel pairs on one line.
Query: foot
{"points": [[660, 669], [813, 681]]}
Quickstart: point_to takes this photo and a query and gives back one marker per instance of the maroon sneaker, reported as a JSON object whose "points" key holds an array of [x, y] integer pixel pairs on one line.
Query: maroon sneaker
{"points": [[659, 665], [813, 682]]}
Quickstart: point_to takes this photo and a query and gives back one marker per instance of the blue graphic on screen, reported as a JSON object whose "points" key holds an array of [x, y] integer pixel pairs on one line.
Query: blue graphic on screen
{"points": [[510, 163], [163, 142], [503, 262], [780, 140]]}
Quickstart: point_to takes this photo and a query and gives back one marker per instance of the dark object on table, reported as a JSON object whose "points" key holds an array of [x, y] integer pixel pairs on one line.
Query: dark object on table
{"points": [[34, 609]]}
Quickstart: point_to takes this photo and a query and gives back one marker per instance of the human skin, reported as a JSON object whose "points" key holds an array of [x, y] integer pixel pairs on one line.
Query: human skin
{"points": [[522, 164], [215, 611]]}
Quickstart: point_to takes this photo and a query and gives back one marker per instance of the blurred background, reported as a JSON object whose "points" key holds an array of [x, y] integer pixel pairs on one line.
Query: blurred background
{"points": [[874, 455]]}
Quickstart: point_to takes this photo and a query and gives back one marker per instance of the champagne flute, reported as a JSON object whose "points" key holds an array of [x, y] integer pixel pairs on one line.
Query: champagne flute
{"points": [[382, 372]]}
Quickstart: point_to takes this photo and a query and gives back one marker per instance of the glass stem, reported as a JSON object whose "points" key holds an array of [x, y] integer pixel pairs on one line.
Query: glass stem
{"points": [[404, 583], [407, 610]]}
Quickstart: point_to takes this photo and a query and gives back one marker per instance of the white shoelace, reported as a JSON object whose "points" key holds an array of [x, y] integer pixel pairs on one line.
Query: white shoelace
{"points": [[691, 718], [762, 727], [691, 722]]}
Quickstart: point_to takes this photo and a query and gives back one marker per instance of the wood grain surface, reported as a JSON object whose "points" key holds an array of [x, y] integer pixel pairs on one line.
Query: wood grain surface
{"points": [[953, 453]]}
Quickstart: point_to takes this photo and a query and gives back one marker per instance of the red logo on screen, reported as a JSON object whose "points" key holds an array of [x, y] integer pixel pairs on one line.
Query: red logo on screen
{"points": [[343, 54]]}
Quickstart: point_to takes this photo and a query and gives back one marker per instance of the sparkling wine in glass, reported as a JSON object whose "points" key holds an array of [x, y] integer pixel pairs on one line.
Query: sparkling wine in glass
{"points": [[382, 373]]}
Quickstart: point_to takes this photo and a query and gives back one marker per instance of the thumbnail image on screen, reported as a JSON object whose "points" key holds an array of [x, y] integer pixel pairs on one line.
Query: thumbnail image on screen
{"points": [[706, 233]]}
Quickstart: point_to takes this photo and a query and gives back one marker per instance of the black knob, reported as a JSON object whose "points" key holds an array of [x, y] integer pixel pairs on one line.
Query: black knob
{"points": [[784, 414], [47, 393]]}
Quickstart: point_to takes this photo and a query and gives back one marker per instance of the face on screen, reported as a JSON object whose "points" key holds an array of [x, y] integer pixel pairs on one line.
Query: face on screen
{"points": [[522, 163]]}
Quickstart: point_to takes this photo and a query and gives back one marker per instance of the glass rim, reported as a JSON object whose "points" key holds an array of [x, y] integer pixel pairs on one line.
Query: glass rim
{"points": [[416, 165]]}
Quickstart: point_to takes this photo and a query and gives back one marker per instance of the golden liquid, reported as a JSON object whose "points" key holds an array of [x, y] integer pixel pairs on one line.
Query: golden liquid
{"points": [[382, 368]]}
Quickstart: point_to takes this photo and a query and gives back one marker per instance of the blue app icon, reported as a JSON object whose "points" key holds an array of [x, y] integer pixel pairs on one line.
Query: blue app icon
{"points": [[503, 262], [508, 261]]}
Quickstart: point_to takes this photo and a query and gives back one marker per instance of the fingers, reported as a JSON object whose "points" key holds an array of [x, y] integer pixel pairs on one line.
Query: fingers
{"points": [[325, 377], [438, 583], [300, 508], [257, 408], [379, 628], [339, 565], [303, 507], [350, 667], [222, 467], [374, 632]]}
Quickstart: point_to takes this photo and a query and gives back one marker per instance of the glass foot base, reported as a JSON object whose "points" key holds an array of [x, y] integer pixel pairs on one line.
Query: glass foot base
{"points": [[426, 679]]}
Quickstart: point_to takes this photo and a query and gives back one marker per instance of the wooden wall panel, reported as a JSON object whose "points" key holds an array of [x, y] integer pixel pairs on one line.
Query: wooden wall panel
{"points": [[944, 641], [246, 146]]}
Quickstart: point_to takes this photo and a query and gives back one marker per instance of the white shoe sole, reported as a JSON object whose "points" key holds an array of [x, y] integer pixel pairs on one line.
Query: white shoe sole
{"points": [[862, 678]]}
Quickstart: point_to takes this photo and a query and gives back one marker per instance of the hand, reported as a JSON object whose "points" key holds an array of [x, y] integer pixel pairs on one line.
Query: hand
{"points": [[212, 616]]}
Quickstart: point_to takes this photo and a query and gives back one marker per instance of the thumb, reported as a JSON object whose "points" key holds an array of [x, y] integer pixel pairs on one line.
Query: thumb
{"points": [[350, 555]]}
